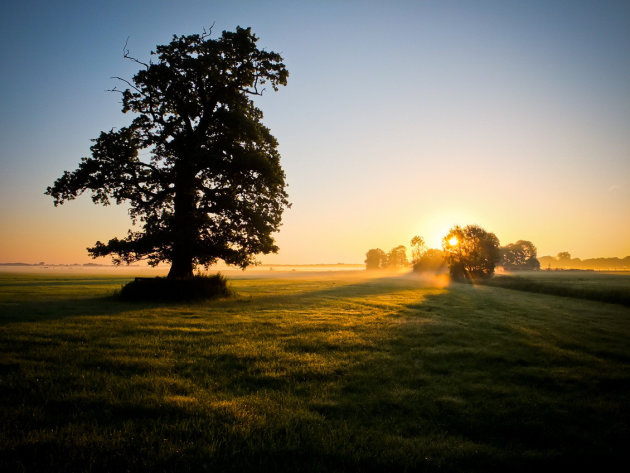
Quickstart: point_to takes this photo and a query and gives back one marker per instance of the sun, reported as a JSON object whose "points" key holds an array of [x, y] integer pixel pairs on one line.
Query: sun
{"points": [[453, 241]]}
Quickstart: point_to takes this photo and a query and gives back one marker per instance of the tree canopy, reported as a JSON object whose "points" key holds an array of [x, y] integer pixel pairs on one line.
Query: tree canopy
{"points": [[397, 257], [431, 260], [520, 256], [418, 247], [378, 259], [375, 259], [564, 256], [212, 186], [471, 252]]}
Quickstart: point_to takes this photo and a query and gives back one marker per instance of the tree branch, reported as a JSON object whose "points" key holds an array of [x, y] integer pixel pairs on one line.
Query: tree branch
{"points": [[115, 89], [207, 33], [130, 85], [131, 58]]}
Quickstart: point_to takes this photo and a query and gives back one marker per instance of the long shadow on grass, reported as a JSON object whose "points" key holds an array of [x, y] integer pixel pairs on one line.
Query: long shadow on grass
{"points": [[53, 305], [363, 289], [460, 387], [448, 382], [106, 412], [58, 308]]}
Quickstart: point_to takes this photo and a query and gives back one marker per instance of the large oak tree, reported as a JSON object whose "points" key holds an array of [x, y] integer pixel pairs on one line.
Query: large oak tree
{"points": [[212, 186]]}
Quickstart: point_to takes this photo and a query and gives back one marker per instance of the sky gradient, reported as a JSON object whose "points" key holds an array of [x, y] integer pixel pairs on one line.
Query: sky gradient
{"points": [[399, 119]]}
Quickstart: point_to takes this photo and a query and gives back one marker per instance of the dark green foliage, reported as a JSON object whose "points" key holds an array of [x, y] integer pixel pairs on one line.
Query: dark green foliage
{"points": [[520, 256], [213, 187], [475, 254], [169, 289]]}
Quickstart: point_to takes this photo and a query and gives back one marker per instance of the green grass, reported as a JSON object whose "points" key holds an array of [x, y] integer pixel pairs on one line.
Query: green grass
{"points": [[335, 372], [604, 287]]}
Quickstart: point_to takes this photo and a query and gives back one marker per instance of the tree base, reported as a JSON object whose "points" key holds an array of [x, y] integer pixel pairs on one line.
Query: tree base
{"points": [[461, 275], [164, 289]]}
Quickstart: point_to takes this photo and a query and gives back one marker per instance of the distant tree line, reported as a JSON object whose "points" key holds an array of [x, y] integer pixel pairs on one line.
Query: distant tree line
{"points": [[563, 260], [467, 253], [378, 259]]}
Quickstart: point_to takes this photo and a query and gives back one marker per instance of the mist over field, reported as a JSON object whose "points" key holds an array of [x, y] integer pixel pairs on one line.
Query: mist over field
{"points": [[516, 120], [355, 236], [316, 371]]}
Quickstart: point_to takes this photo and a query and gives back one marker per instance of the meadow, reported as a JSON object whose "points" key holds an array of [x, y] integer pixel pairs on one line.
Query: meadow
{"points": [[311, 372], [598, 286]]}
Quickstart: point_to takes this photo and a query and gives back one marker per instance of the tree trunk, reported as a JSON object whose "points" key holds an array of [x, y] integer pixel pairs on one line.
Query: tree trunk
{"points": [[181, 267], [184, 225]]}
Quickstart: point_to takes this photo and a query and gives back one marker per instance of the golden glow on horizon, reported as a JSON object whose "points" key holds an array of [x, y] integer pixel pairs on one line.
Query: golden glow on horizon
{"points": [[435, 226], [475, 153]]}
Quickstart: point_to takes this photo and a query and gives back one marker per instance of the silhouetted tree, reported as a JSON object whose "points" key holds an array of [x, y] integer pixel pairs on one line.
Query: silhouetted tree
{"points": [[431, 260], [520, 256], [471, 252], [375, 259], [213, 187], [397, 257], [418, 247], [590, 263], [564, 256]]}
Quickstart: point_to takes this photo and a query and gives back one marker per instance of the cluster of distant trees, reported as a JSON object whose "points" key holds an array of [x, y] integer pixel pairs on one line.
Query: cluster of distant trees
{"points": [[519, 256], [467, 252], [564, 261], [378, 259]]}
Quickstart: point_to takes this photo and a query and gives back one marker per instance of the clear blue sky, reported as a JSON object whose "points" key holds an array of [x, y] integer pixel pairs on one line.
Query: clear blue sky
{"points": [[399, 118]]}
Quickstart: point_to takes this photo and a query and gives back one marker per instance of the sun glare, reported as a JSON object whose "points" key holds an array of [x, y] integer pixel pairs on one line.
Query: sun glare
{"points": [[453, 241], [436, 226]]}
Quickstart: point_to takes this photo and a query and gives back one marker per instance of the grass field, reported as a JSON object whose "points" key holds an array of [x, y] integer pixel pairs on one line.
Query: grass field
{"points": [[327, 372], [611, 287]]}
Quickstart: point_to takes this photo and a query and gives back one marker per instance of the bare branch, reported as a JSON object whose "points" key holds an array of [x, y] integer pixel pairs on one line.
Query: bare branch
{"points": [[129, 84], [131, 58], [207, 33], [115, 89]]}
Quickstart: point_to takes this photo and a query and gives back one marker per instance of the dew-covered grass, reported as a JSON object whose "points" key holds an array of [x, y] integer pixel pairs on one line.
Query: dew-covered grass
{"points": [[325, 372]]}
